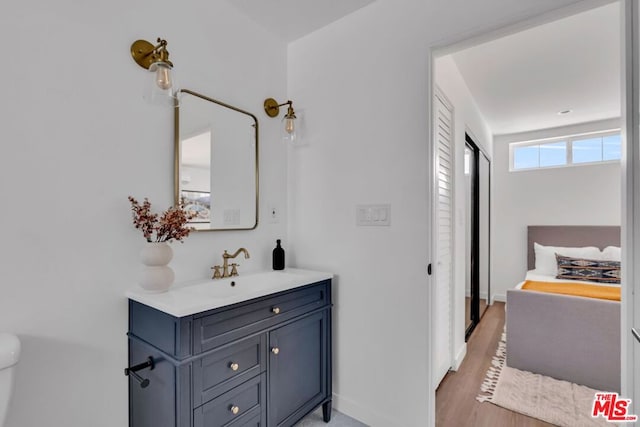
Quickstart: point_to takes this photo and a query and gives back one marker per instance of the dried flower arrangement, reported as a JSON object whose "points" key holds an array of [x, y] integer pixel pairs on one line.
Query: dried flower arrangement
{"points": [[170, 226]]}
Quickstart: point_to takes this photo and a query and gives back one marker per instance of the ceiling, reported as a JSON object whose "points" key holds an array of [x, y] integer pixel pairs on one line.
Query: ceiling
{"points": [[292, 19], [521, 82]]}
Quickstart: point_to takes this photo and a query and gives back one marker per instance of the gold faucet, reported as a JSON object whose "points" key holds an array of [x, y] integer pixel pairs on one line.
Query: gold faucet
{"points": [[225, 264]]}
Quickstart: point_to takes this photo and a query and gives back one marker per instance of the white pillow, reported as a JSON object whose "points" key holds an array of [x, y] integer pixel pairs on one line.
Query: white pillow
{"points": [[546, 256], [611, 253]]}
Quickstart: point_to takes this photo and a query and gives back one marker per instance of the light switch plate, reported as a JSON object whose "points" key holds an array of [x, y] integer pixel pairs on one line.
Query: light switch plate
{"points": [[231, 216], [373, 215]]}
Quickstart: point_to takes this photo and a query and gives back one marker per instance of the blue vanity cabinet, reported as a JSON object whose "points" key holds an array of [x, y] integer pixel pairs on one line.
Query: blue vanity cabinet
{"points": [[265, 362]]}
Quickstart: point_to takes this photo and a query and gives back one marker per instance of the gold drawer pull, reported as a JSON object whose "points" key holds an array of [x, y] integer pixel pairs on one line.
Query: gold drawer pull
{"points": [[275, 350], [234, 366], [275, 310], [234, 410]]}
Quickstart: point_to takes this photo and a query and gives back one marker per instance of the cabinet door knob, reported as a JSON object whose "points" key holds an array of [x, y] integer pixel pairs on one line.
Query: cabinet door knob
{"points": [[234, 366], [275, 350], [234, 410], [276, 310]]}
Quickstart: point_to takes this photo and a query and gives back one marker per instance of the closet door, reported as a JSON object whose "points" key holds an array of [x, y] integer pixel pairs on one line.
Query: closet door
{"points": [[471, 312], [477, 190], [443, 121]]}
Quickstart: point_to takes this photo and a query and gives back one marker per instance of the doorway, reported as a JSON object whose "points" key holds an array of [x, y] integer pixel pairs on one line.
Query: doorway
{"points": [[477, 195], [630, 161]]}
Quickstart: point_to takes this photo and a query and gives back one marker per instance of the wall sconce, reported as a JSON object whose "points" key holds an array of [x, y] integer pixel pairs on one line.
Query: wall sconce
{"points": [[161, 88], [272, 108]]}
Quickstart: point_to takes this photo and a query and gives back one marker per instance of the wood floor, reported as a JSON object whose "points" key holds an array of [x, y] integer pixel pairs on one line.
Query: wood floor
{"points": [[456, 404]]}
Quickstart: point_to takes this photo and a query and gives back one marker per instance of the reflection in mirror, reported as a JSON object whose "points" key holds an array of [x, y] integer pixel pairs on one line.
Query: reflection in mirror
{"points": [[216, 163], [469, 174]]}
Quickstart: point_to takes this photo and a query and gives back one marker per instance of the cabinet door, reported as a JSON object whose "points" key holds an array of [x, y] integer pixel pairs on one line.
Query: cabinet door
{"points": [[297, 369]]}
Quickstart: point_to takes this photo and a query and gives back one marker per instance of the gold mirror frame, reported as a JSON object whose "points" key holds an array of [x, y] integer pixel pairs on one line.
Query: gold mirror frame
{"points": [[176, 178]]}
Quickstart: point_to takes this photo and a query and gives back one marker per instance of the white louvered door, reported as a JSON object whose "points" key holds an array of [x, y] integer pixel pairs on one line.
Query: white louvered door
{"points": [[443, 138]]}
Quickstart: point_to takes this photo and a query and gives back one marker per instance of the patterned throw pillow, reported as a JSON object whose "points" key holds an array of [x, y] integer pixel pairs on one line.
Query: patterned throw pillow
{"points": [[588, 269]]}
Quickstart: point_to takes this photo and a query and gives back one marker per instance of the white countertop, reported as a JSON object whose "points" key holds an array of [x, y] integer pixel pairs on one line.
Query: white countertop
{"points": [[184, 299]]}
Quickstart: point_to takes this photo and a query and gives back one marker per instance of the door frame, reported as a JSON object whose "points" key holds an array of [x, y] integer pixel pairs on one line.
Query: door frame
{"points": [[630, 307], [630, 117]]}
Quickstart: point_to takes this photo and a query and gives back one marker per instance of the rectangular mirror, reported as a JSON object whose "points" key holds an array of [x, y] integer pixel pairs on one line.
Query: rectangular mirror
{"points": [[216, 163]]}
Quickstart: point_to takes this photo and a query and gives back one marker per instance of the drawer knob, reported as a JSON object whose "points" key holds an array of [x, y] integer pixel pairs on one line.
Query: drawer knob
{"points": [[276, 310], [275, 350], [234, 410], [234, 366]]}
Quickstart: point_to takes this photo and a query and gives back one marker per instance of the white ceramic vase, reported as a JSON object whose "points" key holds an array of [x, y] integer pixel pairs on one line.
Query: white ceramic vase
{"points": [[156, 276]]}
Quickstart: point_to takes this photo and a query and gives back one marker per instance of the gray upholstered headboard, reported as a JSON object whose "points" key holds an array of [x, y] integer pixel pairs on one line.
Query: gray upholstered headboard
{"points": [[574, 236]]}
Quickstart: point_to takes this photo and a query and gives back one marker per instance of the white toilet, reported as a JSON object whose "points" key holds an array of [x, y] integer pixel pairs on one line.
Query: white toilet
{"points": [[9, 355]]}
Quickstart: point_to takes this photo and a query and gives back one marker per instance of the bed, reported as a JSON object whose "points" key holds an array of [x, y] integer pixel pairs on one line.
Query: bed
{"points": [[571, 338]]}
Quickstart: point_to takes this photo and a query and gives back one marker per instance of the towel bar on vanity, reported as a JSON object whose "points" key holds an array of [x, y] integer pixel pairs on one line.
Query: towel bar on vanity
{"points": [[132, 371]]}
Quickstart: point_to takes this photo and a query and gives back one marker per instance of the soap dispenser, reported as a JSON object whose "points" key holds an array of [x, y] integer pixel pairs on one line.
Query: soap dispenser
{"points": [[278, 257]]}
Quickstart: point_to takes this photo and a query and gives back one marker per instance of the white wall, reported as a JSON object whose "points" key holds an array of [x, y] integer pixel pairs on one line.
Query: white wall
{"points": [[77, 139], [469, 119], [363, 84], [577, 195]]}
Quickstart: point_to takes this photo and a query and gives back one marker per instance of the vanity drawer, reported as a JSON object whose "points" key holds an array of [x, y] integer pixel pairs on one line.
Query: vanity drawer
{"points": [[228, 367], [248, 401], [218, 327]]}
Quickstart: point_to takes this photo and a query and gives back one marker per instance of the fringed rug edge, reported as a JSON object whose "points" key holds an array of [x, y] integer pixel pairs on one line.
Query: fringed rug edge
{"points": [[492, 377]]}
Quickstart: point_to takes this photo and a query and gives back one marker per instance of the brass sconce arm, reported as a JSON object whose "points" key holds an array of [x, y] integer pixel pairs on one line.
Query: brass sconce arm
{"points": [[272, 108], [145, 54]]}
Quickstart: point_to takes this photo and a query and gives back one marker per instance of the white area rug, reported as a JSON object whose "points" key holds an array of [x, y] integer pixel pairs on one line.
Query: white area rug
{"points": [[557, 402]]}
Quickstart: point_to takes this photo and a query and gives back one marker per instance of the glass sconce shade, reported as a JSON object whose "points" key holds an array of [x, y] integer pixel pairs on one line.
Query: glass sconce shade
{"points": [[161, 86], [163, 74], [289, 128], [289, 125]]}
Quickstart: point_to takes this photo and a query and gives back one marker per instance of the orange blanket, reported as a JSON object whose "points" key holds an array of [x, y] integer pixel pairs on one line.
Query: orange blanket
{"points": [[576, 289]]}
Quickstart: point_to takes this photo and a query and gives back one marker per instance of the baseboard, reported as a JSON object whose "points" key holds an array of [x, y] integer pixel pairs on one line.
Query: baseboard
{"points": [[483, 295], [500, 297], [457, 361], [368, 416]]}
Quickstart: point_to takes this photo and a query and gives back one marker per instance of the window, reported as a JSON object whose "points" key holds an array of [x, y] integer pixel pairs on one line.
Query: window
{"points": [[611, 147], [587, 150], [566, 151], [553, 154], [540, 155]]}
